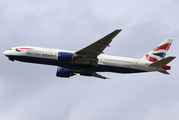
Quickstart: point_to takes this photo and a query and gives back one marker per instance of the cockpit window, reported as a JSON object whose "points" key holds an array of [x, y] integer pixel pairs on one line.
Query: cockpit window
{"points": [[10, 49]]}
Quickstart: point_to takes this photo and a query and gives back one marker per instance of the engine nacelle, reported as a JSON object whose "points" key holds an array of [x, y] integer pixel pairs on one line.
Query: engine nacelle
{"points": [[64, 56], [62, 72]]}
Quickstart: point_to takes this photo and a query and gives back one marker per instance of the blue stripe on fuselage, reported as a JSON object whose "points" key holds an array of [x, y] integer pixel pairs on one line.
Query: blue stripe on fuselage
{"points": [[118, 69], [99, 68]]}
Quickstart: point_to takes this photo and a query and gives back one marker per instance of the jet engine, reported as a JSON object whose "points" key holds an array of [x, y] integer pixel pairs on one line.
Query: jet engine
{"points": [[62, 72], [64, 56]]}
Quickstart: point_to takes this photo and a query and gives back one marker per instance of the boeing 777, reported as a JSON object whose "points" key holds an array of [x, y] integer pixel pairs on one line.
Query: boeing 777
{"points": [[89, 60]]}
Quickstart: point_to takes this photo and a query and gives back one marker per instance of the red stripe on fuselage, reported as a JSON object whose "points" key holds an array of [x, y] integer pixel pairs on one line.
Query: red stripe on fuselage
{"points": [[26, 48]]}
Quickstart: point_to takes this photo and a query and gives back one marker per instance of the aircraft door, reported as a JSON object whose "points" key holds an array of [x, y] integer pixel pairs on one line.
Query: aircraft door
{"points": [[135, 63]]}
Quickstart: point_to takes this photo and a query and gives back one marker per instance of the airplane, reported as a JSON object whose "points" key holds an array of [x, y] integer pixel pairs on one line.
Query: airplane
{"points": [[89, 60]]}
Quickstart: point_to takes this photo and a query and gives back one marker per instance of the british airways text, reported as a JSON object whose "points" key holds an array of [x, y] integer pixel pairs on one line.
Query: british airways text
{"points": [[41, 54]]}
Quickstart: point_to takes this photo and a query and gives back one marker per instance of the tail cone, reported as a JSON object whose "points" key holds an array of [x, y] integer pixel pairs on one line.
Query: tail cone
{"points": [[166, 67]]}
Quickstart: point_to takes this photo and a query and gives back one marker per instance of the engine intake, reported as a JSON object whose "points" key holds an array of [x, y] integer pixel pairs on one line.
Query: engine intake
{"points": [[62, 72], [64, 56]]}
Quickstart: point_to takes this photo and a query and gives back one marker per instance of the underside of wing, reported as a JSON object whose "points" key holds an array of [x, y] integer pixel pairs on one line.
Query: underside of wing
{"points": [[99, 76], [88, 55]]}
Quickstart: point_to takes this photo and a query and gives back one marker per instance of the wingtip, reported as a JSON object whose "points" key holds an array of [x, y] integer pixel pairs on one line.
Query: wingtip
{"points": [[119, 30]]}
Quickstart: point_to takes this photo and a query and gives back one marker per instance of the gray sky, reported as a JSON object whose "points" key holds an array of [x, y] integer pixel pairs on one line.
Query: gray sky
{"points": [[33, 92]]}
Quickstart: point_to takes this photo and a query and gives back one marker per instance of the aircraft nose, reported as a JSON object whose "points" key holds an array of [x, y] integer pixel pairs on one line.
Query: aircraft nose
{"points": [[5, 53]]}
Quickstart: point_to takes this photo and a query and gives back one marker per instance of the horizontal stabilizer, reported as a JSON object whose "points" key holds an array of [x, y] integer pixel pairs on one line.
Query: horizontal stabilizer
{"points": [[162, 62], [164, 72]]}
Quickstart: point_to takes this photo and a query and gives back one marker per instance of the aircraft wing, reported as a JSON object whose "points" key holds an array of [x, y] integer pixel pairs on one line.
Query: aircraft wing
{"points": [[97, 47], [94, 74], [99, 76], [88, 55]]}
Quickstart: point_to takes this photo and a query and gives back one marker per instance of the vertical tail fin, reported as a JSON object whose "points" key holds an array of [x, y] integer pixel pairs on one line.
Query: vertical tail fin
{"points": [[159, 52]]}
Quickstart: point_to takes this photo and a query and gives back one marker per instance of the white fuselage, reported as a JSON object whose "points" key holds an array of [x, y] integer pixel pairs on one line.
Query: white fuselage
{"points": [[105, 62]]}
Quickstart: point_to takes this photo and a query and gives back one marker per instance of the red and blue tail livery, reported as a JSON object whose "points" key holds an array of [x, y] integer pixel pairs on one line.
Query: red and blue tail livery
{"points": [[159, 52], [89, 61]]}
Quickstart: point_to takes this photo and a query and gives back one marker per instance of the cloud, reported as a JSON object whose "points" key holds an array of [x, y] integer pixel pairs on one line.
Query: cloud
{"points": [[32, 91], [164, 111]]}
